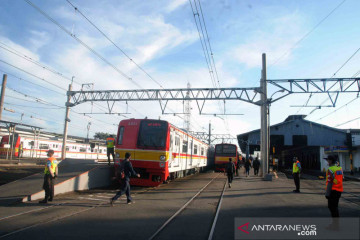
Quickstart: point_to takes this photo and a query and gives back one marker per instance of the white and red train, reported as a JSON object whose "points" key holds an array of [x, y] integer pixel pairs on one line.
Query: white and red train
{"points": [[38, 147], [159, 150]]}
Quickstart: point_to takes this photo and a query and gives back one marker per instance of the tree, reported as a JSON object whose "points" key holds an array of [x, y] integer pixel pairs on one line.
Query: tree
{"points": [[101, 135]]}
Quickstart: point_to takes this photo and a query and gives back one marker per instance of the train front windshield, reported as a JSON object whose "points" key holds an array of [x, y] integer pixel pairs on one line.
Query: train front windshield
{"points": [[225, 150], [153, 134]]}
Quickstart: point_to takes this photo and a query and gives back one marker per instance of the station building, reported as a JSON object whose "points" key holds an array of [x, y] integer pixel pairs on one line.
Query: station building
{"points": [[309, 141]]}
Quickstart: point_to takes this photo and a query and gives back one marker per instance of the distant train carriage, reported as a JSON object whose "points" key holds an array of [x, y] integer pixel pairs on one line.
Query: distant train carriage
{"points": [[159, 150], [25, 146], [223, 152]]}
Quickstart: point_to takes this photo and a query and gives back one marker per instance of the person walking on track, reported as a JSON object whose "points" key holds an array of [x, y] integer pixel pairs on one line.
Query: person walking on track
{"points": [[296, 173], [50, 173], [230, 170], [247, 167], [110, 144], [256, 165], [126, 170]]}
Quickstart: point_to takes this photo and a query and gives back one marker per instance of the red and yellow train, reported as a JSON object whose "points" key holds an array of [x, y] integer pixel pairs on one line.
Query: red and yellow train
{"points": [[159, 150], [223, 152]]}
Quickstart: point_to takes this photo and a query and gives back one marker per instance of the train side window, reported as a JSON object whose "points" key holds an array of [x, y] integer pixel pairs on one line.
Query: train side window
{"points": [[171, 142], [177, 141], [82, 149], [202, 151], [43, 146], [121, 134], [67, 148], [195, 149], [184, 146]]}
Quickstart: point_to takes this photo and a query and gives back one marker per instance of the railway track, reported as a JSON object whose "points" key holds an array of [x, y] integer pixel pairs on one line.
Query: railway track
{"points": [[180, 220]]}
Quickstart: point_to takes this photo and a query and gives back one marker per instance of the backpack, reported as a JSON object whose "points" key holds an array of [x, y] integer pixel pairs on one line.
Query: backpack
{"points": [[122, 170]]}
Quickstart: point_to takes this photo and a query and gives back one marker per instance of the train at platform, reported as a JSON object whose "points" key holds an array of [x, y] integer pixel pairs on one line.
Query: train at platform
{"points": [[22, 145], [223, 152], [159, 150]]}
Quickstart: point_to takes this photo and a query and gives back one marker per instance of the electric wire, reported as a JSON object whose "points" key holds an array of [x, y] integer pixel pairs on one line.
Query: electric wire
{"points": [[38, 85], [42, 79], [307, 34], [355, 75], [121, 50], [82, 43], [27, 58]]}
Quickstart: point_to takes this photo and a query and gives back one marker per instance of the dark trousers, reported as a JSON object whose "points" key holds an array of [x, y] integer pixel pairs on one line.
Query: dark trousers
{"points": [[110, 151], [256, 171], [125, 188], [247, 171], [237, 171], [48, 186], [297, 181], [333, 203], [230, 177]]}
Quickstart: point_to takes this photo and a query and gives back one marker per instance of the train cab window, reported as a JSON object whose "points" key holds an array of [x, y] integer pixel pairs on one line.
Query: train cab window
{"points": [[121, 135], [152, 133], [43, 146], [82, 149], [195, 149], [184, 146]]}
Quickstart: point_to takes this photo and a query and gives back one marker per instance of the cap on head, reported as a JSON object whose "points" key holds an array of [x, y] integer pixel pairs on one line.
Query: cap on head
{"points": [[332, 158], [127, 155]]}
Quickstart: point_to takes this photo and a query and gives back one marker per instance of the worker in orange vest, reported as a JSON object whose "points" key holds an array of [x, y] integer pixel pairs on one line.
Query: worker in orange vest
{"points": [[110, 144], [50, 173], [334, 185]]}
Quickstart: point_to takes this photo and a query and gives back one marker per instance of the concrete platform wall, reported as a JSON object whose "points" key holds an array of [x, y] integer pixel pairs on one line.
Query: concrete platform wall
{"points": [[97, 177]]}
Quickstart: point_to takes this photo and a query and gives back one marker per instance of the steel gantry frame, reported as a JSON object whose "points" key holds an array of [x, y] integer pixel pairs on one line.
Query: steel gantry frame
{"points": [[250, 95]]}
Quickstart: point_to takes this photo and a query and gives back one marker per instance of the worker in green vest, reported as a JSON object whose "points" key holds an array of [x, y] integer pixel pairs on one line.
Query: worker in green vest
{"points": [[296, 173], [50, 173], [110, 144]]}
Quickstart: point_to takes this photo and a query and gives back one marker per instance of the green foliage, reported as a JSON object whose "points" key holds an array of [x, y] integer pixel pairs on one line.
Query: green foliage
{"points": [[101, 135]]}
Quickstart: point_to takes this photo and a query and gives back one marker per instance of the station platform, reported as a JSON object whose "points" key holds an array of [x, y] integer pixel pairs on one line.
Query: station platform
{"points": [[73, 175]]}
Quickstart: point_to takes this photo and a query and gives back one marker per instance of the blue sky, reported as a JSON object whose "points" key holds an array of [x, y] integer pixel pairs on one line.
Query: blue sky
{"points": [[162, 38]]}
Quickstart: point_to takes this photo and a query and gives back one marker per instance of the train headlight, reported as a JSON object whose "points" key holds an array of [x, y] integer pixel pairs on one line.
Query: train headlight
{"points": [[162, 158]]}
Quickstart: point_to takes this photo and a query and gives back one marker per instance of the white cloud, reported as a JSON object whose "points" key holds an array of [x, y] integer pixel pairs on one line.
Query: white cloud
{"points": [[176, 4], [278, 36]]}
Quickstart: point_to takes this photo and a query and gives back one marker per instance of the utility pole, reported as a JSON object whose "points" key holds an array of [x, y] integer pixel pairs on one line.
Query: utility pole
{"points": [[209, 133], [2, 95], [264, 147], [67, 120]]}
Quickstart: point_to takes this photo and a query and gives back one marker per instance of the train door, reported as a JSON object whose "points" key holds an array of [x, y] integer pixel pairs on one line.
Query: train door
{"points": [[175, 155]]}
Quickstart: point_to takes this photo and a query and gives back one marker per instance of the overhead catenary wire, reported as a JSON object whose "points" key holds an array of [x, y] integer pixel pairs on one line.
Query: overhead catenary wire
{"points": [[355, 75], [27, 72], [121, 50], [347, 122], [35, 84], [27, 58], [307, 34], [82, 43]]}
